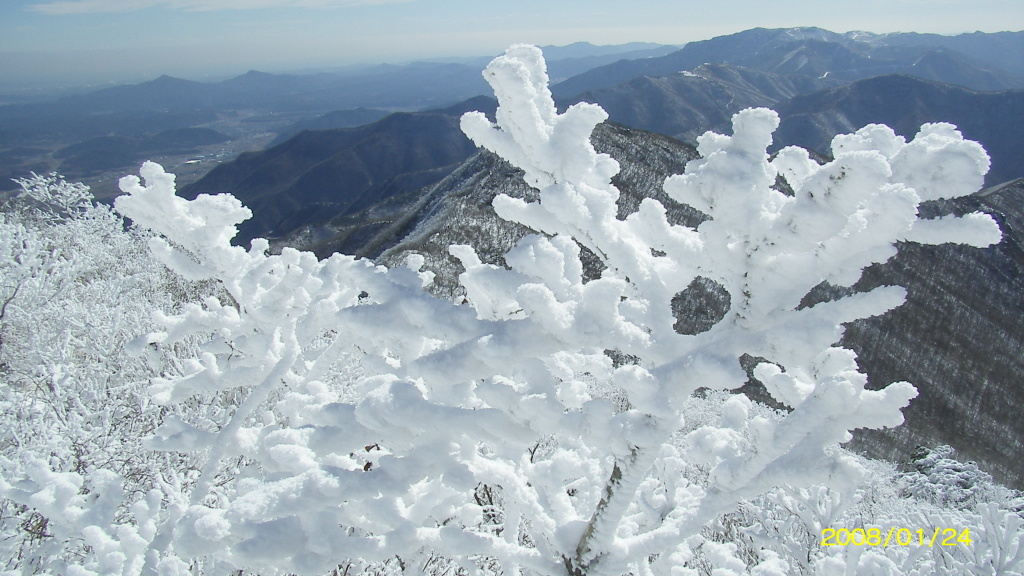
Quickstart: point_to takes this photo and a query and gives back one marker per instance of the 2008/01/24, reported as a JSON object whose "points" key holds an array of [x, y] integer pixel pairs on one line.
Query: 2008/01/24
{"points": [[903, 537]]}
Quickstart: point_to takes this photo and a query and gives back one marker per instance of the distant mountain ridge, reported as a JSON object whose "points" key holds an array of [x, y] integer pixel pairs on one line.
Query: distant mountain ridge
{"points": [[1006, 49], [572, 59], [407, 86], [686, 104], [387, 86], [820, 54], [246, 108]]}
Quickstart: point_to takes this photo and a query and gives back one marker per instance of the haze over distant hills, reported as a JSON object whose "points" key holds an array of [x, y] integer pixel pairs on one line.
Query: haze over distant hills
{"points": [[250, 110], [258, 109]]}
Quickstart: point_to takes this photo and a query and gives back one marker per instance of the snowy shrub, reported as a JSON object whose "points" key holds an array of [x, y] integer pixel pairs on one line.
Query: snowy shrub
{"points": [[75, 288], [789, 523], [359, 423], [941, 479]]}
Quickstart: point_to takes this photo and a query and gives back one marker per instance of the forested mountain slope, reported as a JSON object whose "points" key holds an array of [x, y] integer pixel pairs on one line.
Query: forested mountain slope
{"points": [[958, 337]]}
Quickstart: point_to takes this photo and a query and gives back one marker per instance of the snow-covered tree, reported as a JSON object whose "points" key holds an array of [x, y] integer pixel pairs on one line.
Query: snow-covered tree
{"points": [[75, 288], [375, 426]]}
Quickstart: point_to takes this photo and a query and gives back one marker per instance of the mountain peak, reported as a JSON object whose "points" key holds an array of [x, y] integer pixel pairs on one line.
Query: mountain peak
{"points": [[168, 80]]}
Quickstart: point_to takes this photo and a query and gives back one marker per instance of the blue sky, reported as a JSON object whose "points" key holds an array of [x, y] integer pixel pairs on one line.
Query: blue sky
{"points": [[129, 40]]}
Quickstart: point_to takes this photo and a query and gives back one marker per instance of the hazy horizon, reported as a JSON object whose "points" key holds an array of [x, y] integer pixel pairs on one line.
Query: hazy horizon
{"points": [[101, 42]]}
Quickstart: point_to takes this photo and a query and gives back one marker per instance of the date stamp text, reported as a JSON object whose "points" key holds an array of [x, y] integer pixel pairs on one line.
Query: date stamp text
{"points": [[895, 537]]}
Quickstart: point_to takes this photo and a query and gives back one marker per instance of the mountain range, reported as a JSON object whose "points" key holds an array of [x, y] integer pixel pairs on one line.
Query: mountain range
{"points": [[992, 63], [358, 179], [682, 105]]}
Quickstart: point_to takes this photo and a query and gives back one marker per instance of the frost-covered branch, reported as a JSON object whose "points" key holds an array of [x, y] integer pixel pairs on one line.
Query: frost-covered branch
{"points": [[766, 249]]}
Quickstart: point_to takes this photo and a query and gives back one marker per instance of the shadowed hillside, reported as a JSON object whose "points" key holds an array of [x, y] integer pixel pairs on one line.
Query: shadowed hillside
{"points": [[318, 175]]}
